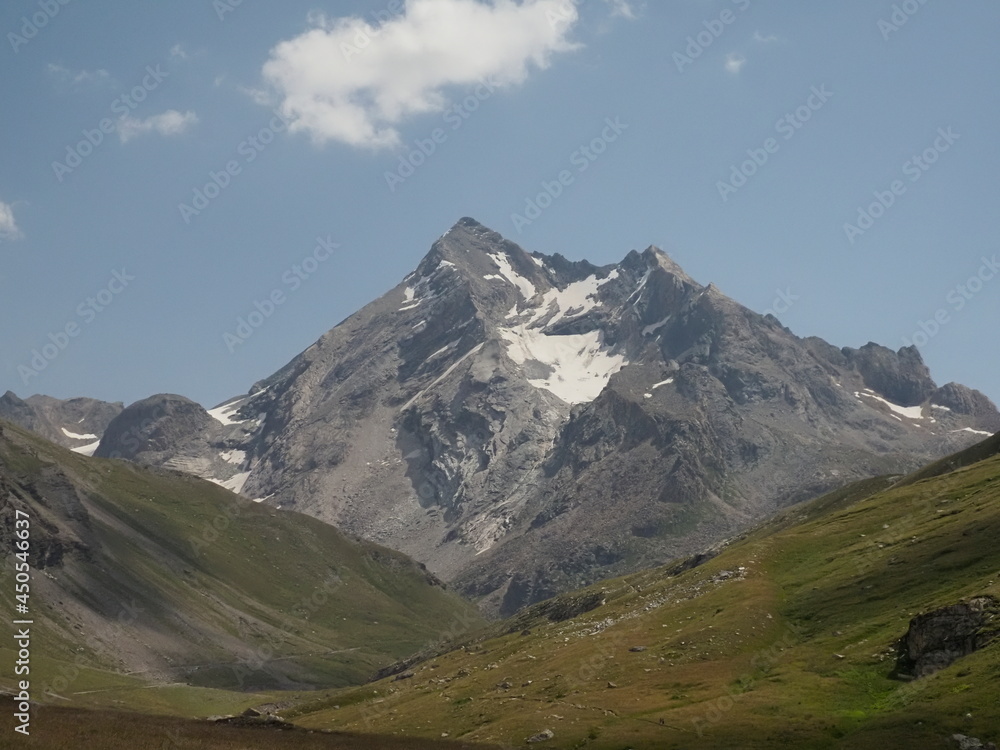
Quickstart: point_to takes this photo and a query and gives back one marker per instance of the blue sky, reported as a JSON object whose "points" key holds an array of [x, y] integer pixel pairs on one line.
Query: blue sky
{"points": [[744, 138]]}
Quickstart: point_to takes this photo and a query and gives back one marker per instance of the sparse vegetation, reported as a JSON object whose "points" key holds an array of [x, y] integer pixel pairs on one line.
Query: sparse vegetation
{"points": [[787, 638]]}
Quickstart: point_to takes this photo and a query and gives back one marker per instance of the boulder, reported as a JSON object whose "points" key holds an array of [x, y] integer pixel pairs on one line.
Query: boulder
{"points": [[543, 736], [937, 639]]}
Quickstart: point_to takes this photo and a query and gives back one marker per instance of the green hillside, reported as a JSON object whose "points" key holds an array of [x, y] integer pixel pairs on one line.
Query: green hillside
{"points": [[788, 638], [166, 593]]}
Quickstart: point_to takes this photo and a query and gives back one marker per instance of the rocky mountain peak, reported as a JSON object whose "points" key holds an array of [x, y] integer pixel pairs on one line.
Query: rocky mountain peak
{"points": [[901, 377], [524, 423], [75, 423], [657, 258]]}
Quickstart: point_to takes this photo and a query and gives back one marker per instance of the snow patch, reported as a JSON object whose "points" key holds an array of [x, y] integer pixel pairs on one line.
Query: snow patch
{"points": [[974, 432], [234, 483], [526, 288], [910, 412], [668, 381], [233, 457], [581, 365], [86, 450], [939, 407], [409, 299], [638, 289], [224, 413], [73, 435], [578, 298]]}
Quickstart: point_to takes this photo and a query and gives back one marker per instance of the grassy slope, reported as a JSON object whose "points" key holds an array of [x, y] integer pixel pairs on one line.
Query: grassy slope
{"points": [[273, 599], [795, 651], [56, 728]]}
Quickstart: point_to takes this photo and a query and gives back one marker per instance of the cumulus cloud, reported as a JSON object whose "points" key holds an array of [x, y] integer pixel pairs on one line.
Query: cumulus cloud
{"points": [[764, 39], [166, 123], [623, 8], [735, 62], [8, 225], [77, 77], [354, 81]]}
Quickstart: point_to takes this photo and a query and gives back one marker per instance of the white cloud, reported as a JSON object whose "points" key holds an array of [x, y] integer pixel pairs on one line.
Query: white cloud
{"points": [[623, 8], [8, 225], [348, 80], [758, 37], [178, 52], [77, 77], [167, 123], [735, 62]]}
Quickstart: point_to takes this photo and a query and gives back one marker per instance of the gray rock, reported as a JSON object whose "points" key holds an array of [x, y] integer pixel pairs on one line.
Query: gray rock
{"points": [[543, 736], [52, 418], [937, 639], [971, 743]]}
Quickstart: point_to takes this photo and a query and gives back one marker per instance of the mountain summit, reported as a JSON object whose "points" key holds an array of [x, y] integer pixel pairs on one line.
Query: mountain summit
{"points": [[525, 424]]}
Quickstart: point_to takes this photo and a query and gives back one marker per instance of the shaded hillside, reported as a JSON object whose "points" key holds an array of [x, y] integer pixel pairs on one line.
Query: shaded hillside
{"points": [[156, 577]]}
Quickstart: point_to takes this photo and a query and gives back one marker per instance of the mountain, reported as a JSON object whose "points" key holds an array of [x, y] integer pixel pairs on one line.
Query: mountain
{"points": [[145, 578], [76, 423], [867, 619], [525, 424]]}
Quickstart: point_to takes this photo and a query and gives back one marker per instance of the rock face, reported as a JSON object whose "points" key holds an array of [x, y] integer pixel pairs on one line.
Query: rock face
{"points": [[937, 639], [971, 743], [176, 433], [525, 424], [900, 376], [76, 423]]}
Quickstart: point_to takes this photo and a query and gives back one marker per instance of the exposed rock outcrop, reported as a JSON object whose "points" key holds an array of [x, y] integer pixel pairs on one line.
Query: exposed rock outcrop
{"points": [[937, 639]]}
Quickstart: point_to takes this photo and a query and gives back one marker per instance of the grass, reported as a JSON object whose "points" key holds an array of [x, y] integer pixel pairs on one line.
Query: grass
{"points": [[794, 651], [166, 578], [55, 728], [786, 639]]}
